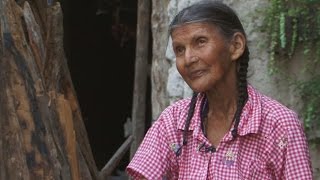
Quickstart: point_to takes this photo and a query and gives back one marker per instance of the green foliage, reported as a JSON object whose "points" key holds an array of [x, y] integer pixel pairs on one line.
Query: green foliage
{"points": [[310, 92], [291, 23]]}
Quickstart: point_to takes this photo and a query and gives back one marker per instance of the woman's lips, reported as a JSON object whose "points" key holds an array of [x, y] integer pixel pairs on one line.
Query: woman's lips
{"points": [[196, 74]]}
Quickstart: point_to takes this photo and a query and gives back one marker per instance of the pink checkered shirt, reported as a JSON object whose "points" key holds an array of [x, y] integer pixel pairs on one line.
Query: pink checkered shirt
{"points": [[271, 144]]}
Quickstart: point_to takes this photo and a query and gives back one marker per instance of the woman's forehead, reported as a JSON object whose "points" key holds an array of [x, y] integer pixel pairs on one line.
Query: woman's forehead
{"points": [[193, 25], [188, 29]]}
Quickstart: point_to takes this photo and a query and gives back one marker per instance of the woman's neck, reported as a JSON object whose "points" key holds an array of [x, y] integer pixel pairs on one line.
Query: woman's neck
{"points": [[222, 103]]}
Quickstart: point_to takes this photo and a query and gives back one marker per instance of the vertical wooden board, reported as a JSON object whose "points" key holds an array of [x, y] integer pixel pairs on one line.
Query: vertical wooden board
{"points": [[34, 137], [160, 66], [66, 121], [140, 79], [33, 32], [57, 78], [41, 137], [13, 162]]}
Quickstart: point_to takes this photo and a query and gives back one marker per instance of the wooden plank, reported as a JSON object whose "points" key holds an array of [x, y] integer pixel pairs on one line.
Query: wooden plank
{"points": [[42, 135], [115, 159], [57, 79], [140, 79]]}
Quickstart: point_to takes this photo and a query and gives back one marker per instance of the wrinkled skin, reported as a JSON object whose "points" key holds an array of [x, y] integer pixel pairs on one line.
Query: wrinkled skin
{"points": [[204, 57]]}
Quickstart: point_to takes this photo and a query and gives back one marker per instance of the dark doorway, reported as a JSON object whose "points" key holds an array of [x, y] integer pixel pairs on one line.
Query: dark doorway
{"points": [[100, 48]]}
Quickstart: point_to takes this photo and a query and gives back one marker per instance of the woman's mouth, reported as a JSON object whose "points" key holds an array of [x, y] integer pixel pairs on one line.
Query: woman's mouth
{"points": [[196, 74]]}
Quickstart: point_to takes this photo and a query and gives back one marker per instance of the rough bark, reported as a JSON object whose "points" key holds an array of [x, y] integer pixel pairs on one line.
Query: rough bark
{"points": [[160, 66], [140, 79], [42, 135]]}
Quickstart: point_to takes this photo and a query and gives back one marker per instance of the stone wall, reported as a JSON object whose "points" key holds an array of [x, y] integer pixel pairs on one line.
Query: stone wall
{"points": [[168, 86]]}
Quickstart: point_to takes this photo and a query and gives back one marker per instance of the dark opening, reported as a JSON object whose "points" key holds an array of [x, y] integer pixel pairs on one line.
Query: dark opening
{"points": [[100, 48]]}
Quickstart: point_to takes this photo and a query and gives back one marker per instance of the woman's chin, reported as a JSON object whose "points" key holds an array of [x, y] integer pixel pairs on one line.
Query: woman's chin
{"points": [[197, 89]]}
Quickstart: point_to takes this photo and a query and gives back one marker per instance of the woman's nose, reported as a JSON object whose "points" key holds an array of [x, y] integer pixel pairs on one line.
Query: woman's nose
{"points": [[191, 57]]}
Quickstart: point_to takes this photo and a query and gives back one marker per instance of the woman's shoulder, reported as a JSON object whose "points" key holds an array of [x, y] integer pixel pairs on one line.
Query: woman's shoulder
{"points": [[176, 109], [174, 113], [277, 114], [170, 121], [278, 110]]}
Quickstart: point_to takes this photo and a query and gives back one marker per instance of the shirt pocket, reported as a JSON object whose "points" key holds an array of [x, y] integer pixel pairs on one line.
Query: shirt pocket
{"points": [[256, 170]]}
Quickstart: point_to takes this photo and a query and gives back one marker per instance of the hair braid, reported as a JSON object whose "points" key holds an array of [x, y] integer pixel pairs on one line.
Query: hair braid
{"points": [[189, 117], [242, 89]]}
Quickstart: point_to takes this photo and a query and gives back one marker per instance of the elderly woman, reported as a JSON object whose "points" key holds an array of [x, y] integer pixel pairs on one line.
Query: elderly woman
{"points": [[227, 130]]}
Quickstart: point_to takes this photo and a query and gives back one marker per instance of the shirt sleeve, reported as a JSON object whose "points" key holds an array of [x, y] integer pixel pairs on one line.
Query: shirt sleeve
{"points": [[151, 160], [293, 147]]}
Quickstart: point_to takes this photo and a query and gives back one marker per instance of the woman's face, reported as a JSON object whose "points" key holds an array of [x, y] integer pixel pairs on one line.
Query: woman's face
{"points": [[203, 56]]}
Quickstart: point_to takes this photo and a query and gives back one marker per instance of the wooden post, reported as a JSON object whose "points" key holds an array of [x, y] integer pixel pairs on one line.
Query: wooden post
{"points": [[42, 135], [116, 158], [140, 79]]}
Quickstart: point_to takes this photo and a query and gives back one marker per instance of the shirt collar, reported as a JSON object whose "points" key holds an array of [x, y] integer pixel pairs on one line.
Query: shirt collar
{"points": [[250, 118], [195, 121], [251, 114]]}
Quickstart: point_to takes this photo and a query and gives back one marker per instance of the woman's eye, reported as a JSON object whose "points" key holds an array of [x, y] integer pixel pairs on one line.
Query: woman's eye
{"points": [[201, 41], [179, 50]]}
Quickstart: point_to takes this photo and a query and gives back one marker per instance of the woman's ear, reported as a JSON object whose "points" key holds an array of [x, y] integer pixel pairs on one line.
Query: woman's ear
{"points": [[237, 46]]}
